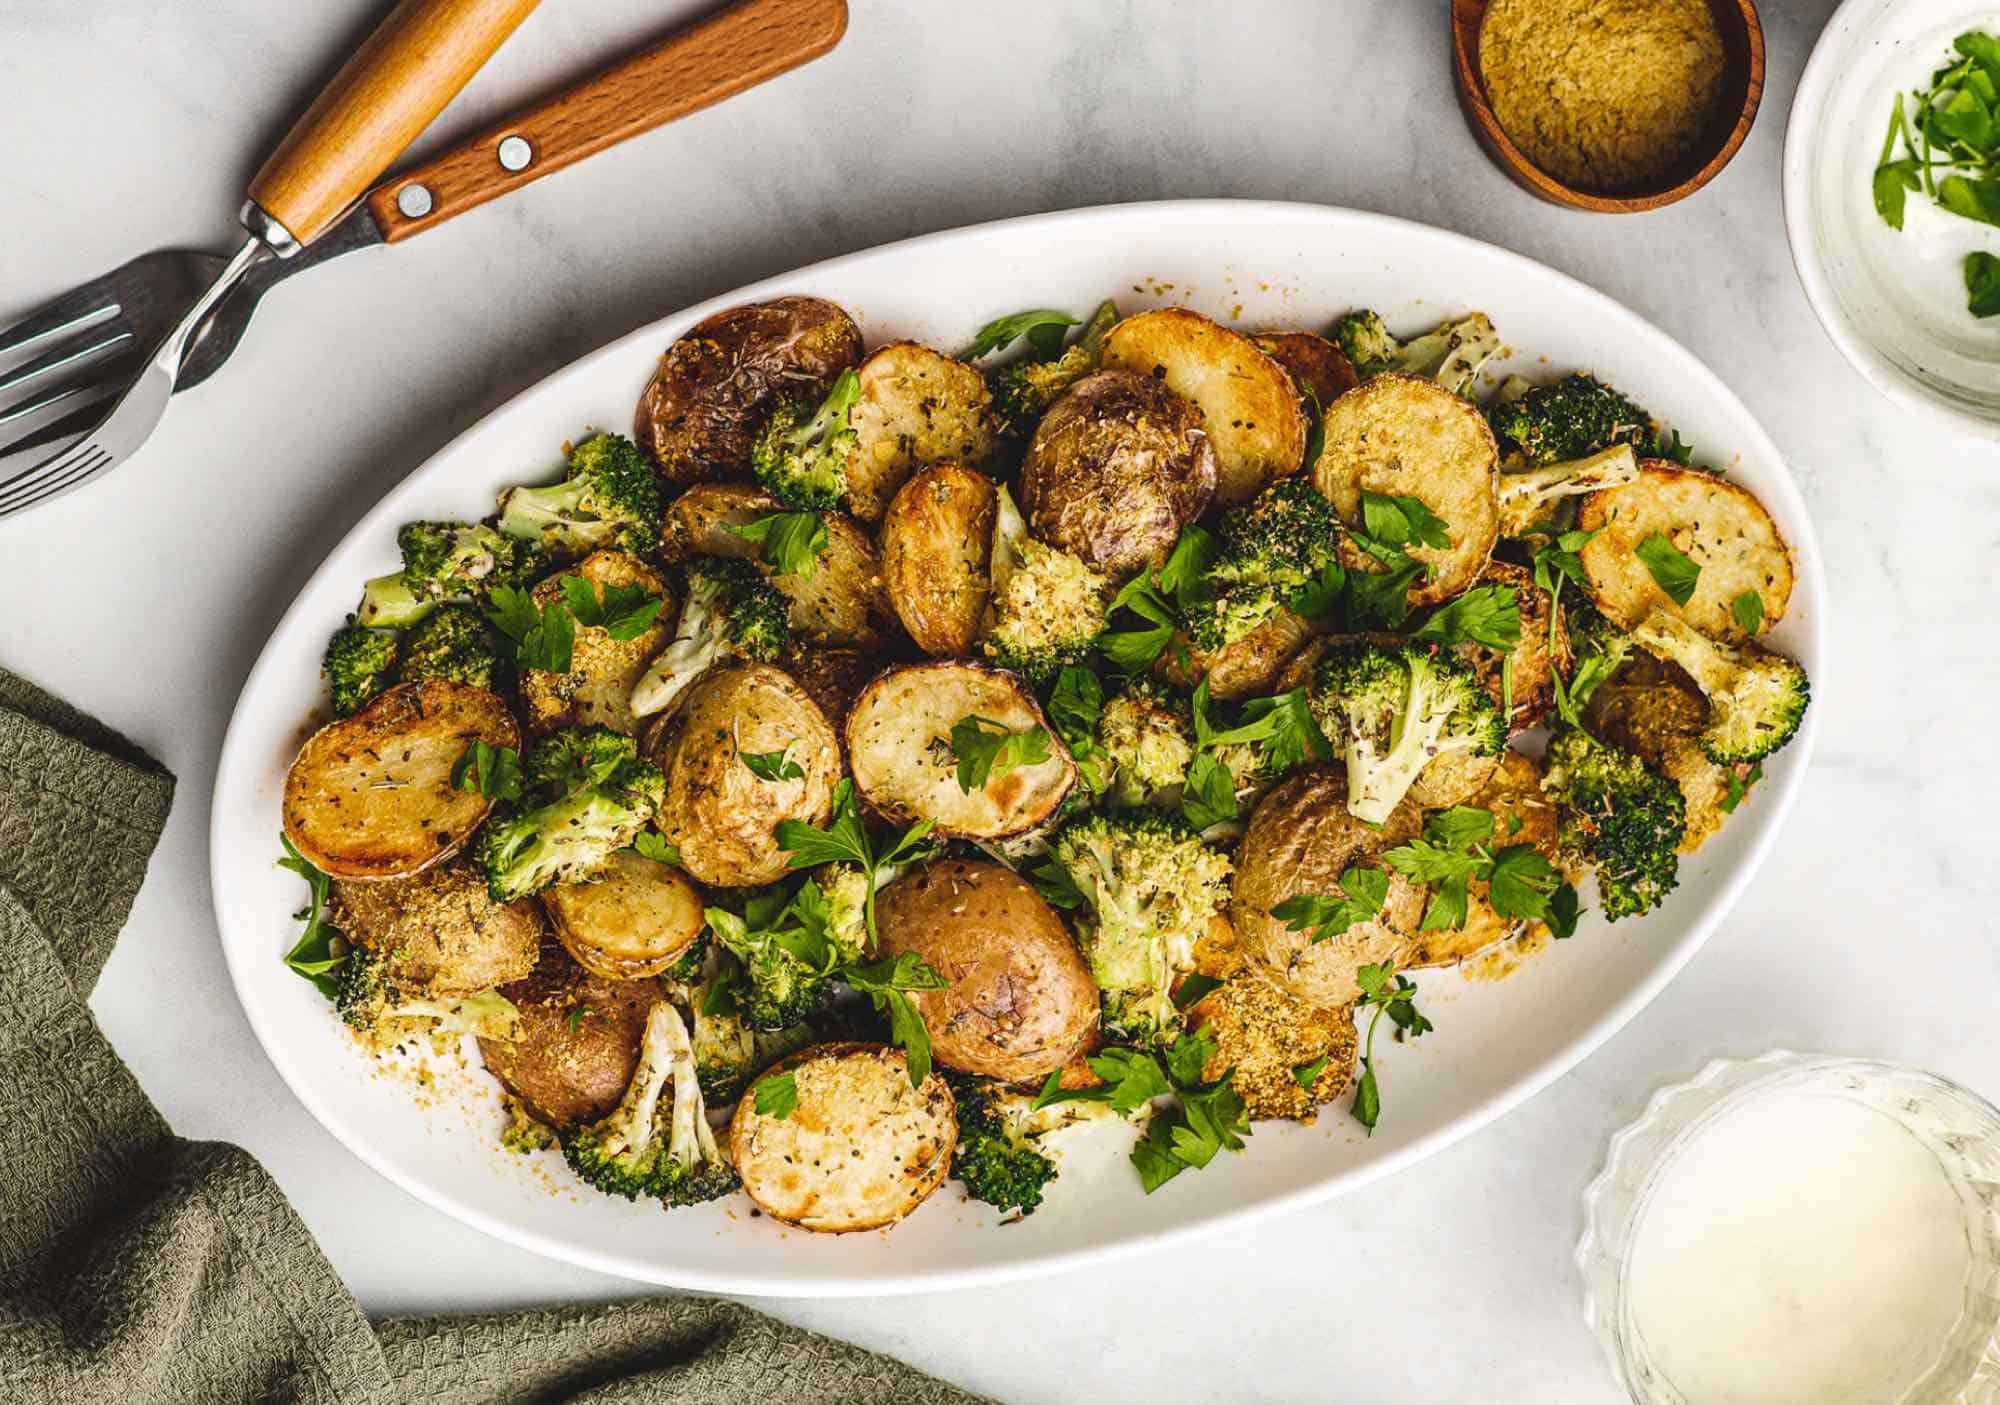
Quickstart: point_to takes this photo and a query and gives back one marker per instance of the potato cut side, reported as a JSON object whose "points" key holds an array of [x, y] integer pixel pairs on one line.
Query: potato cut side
{"points": [[860, 1150], [633, 920], [899, 746], [1248, 401], [597, 689], [917, 407], [844, 602], [371, 796], [1404, 437], [1513, 794], [1317, 367], [697, 522], [1718, 525], [937, 542]]}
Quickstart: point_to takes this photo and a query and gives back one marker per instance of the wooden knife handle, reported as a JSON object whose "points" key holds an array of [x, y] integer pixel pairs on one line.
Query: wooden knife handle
{"points": [[412, 65], [716, 58]]}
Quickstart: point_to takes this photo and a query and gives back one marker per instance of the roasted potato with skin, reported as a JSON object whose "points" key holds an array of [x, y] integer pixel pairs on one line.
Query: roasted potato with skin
{"points": [[832, 678], [1318, 368], [1718, 525], [1513, 793], [716, 385], [1654, 710], [632, 920], [860, 1150], [1248, 401], [447, 934], [1301, 838], [696, 523], [1405, 437], [370, 796], [1246, 668], [1021, 1001], [1116, 468], [917, 407], [899, 747], [1534, 666], [720, 814], [937, 545], [597, 689], [579, 1040]]}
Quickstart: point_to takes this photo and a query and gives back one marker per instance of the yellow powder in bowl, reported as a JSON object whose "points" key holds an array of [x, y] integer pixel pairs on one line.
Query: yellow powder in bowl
{"points": [[1604, 95]]}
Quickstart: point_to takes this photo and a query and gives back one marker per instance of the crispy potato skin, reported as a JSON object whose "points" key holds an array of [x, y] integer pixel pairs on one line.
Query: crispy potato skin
{"points": [[860, 1151], [1248, 401], [1514, 792], [1244, 669], [580, 1039], [1718, 524], [1413, 438], [597, 690], [1317, 366], [696, 523], [1021, 1001], [632, 920], [447, 934], [917, 407], [1300, 839], [717, 383], [937, 543], [1115, 469], [832, 678], [370, 796], [1534, 666], [722, 815]]}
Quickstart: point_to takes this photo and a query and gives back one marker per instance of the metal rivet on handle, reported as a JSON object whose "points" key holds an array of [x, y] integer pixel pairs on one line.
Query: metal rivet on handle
{"points": [[414, 201], [515, 153]]}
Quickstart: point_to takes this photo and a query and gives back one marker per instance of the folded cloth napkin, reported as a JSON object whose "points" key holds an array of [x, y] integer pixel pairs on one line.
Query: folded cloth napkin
{"points": [[137, 1268]]}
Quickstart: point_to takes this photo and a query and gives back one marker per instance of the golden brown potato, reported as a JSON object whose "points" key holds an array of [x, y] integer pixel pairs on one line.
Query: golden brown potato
{"points": [[1513, 793], [1317, 367], [631, 920], [720, 814], [832, 678], [1533, 674], [370, 796], [1245, 669], [1405, 437], [1116, 468], [1021, 1001], [579, 1040], [1301, 838], [1248, 401], [696, 523], [717, 384], [937, 544], [1654, 710], [1266, 1035], [597, 690], [1452, 778], [860, 1150], [899, 745], [442, 931], [1717, 524], [917, 407]]}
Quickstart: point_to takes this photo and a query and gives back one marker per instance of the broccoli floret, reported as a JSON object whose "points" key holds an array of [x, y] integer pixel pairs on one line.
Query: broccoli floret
{"points": [[1023, 390], [782, 989], [1273, 547], [1452, 353], [444, 561], [586, 794], [687, 970], [1528, 495], [1756, 698], [656, 1143], [1150, 886], [1391, 708], [1367, 342], [360, 664], [1048, 607], [1598, 648], [1618, 817], [377, 1005], [454, 644], [1146, 735], [801, 454], [728, 1053], [608, 498], [1570, 419], [996, 1157], [731, 612]]}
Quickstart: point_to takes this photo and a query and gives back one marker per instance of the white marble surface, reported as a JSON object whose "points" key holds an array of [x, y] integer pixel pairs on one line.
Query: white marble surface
{"points": [[129, 125]]}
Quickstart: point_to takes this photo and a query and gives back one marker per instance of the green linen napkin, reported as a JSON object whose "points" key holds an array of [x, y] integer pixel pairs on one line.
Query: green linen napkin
{"points": [[137, 1268]]}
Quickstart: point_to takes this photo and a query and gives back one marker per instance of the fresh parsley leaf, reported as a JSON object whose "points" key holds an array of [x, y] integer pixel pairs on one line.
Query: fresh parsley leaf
{"points": [[1748, 611], [491, 771], [1295, 737], [1193, 989], [1358, 898], [1044, 328], [1892, 183], [1671, 568], [1320, 601], [1055, 885], [1131, 1079], [1208, 793], [1184, 579], [1485, 614], [1395, 520], [772, 765], [312, 955], [842, 841], [987, 750], [1563, 913], [791, 543], [1382, 992], [650, 844], [1136, 650], [1308, 1074], [1739, 786], [625, 612], [886, 983], [1075, 705], [1382, 598], [1315, 414], [544, 637], [777, 1096], [1982, 284], [1521, 882], [1668, 444]]}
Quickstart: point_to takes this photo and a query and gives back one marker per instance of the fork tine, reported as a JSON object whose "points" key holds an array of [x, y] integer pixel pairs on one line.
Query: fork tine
{"points": [[17, 385], [25, 426], [74, 312], [68, 469]]}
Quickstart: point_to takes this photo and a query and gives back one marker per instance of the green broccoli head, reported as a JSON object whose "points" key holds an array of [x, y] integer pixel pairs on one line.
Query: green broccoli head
{"points": [[383, 1009], [447, 561], [608, 498], [1146, 735], [1452, 353], [1391, 707], [1367, 342], [730, 612], [657, 1142], [1023, 390], [1231, 613], [1288, 534], [586, 794], [1598, 649], [1150, 886], [1756, 698], [1570, 419], [780, 988], [1047, 611], [360, 665], [455, 644], [800, 455], [1618, 817], [996, 1158]]}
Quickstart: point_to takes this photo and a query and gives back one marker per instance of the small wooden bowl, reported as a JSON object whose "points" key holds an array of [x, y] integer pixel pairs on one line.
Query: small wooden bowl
{"points": [[1742, 89]]}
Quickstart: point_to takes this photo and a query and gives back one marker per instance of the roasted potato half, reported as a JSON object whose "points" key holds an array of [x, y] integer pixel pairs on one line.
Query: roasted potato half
{"points": [[1654, 710], [697, 522], [832, 678], [937, 543], [1534, 663], [597, 690], [1116, 468], [1248, 401], [716, 385], [1300, 840], [1317, 367], [917, 407], [579, 1039], [1514, 795], [1717, 524], [370, 796], [1405, 437], [446, 932], [722, 815], [1244, 669], [899, 746], [632, 920], [1021, 1001], [860, 1150]]}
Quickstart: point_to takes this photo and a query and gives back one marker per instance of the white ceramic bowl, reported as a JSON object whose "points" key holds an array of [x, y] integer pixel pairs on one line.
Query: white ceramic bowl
{"points": [[1893, 302], [1260, 265]]}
